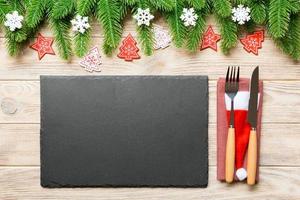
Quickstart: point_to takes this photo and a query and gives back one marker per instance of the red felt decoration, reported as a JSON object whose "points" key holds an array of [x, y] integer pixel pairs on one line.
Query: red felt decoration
{"points": [[43, 46], [128, 49], [210, 39], [253, 42]]}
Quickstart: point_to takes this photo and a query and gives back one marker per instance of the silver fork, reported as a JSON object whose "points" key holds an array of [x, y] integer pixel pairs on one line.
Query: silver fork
{"points": [[231, 89]]}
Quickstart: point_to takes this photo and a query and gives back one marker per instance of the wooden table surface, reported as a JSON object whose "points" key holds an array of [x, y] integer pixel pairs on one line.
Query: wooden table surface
{"points": [[280, 145]]}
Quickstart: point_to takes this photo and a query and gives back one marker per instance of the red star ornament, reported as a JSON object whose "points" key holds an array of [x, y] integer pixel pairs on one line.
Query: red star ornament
{"points": [[253, 42], [128, 49], [210, 39], [43, 46]]}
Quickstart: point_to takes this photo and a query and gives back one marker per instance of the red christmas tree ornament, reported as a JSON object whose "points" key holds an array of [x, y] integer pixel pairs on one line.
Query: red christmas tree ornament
{"points": [[253, 42], [210, 39], [128, 49], [43, 46]]}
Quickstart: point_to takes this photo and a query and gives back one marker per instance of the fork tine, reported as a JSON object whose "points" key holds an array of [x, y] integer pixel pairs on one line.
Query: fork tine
{"points": [[234, 78], [231, 73], [227, 74], [238, 75]]}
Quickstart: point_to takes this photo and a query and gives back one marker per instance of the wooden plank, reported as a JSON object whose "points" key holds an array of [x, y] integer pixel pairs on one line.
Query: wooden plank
{"points": [[280, 97], [171, 61], [19, 145], [23, 183]]}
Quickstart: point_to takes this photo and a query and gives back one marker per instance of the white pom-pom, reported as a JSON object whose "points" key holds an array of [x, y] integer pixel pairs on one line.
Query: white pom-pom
{"points": [[241, 174]]}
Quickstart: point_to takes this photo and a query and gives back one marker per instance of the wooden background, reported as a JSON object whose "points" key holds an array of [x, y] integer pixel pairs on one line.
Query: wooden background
{"points": [[280, 145]]}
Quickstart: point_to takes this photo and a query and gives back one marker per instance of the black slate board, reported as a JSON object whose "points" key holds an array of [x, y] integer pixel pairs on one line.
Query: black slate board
{"points": [[124, 131]]}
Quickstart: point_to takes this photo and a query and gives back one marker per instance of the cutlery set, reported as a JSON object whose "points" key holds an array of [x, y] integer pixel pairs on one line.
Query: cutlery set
{"points": [[231, 89]]}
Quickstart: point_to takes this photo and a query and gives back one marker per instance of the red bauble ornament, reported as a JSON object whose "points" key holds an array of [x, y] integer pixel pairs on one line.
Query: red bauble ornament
{"points": [[253, 42], [43, 46], [128, 49], [210, 39]]}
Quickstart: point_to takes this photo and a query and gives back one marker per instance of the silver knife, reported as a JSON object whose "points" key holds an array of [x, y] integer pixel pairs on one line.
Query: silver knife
{"points": [[252, 119]]}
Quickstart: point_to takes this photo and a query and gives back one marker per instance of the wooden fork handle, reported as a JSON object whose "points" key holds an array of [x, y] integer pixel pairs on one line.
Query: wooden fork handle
{"points": [[252, 158], [230, 155]]}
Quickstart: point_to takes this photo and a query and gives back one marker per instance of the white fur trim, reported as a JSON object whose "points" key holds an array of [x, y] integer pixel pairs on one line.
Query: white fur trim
{"points": [[241, 174], [241, 100]]}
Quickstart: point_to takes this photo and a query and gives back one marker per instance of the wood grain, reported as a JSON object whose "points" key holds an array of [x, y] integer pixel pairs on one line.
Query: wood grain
{"points": [[280, 149], [279, 183], [280, 97], [19, 145]]}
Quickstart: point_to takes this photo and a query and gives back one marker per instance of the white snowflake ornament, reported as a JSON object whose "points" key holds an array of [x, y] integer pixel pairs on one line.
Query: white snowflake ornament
{"points": [[80, 24], [189, 17], [162, 37], [13, 21], [241, 14], [143, 17]]}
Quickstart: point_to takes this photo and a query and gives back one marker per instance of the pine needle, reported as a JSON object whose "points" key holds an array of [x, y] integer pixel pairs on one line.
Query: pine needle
{"points": [[195, 35], [258, 12], [35, 13], [178, 30], [82, 42], [162, 5], [229, 35], [197, 4], [61, 29], [146, 39], [85, 7], [108, 13], [279, 17], [62, 9], [222, 7]]}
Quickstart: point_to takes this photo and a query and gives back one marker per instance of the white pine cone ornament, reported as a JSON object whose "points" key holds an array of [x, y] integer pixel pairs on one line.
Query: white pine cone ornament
{"points": [[80, 24], [143, 17], [13, 20], [241, 14], [189, 17]]}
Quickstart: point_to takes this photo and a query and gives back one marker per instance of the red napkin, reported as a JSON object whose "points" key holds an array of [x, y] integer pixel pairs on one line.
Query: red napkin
{"points": [[242, 127]]}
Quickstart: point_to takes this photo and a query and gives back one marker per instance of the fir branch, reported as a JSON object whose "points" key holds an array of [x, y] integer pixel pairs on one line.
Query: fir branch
{"points": [[129, 2], [13, 47], [229, 32], [163, 5], [222, 7], [279, 17], [4, 9], [197, 4], [108, 13], [82, 42], [145, 35], [195, 35], [178, 30], [35, 12], [107, 49], [290, 44], [62, 38], [295, 6], [258, 11], [62, 9], [85, 7]]}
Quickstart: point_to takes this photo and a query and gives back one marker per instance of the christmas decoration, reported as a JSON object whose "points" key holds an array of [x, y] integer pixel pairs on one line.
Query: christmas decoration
{"points": [[143, 17], [43, 46], [280, 16], [189, 17], [13, 21], [241, 14], [91, 62], [210, 39], [128, 49], [253, 42], [80, 24], [162, 37]]}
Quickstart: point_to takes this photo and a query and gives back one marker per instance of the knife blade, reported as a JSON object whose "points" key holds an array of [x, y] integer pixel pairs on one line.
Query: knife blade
{"points": [[252, 119], [252, 107]]}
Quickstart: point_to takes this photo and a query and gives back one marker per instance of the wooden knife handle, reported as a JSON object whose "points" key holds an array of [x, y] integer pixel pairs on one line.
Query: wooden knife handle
{"points": [[252, 158], [230, 155]]}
